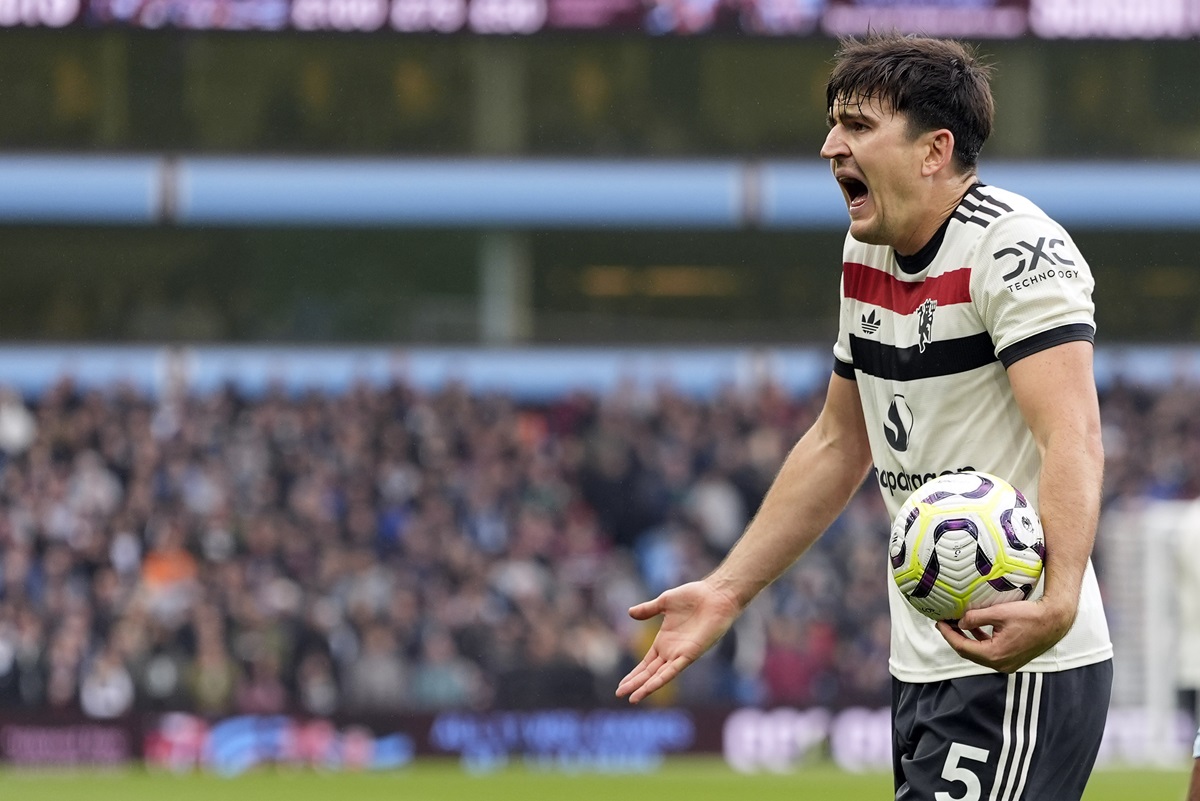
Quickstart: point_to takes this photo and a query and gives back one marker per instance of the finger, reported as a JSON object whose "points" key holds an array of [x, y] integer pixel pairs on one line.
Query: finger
{"points": [[630, 682], [664, 674], [986, 616], [636, 677], [950, 630], [980, 634], [958, 640], [647, 664], [646, 680], [970, 620], [986, 651], [646, 610]]}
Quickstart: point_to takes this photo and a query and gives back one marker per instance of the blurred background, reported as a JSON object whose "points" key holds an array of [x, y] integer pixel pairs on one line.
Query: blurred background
{"points": [[364, 360]]}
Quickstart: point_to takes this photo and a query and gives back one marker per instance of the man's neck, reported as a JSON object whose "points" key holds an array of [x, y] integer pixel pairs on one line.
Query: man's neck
{"points": [[947, 198]]}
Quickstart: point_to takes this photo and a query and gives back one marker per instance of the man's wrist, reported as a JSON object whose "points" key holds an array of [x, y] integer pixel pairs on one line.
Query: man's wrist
{"points": [[1060, 609], [737, 591]]}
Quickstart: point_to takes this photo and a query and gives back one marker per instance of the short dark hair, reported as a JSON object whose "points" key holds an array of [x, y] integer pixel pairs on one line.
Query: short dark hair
{"points": [[935, 83]]}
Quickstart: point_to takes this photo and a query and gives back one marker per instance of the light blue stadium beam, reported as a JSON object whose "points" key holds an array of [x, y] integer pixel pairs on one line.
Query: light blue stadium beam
{"points": [[799, 195], [81, 189], [516, 194], [529, 373], [460, 193], [1134, 195], [639, 194], [1129, 195]]}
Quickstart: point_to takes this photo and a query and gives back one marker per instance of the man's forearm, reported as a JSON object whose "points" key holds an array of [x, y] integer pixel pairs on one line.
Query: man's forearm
{"points": [[1069, 506], [813, 486]]}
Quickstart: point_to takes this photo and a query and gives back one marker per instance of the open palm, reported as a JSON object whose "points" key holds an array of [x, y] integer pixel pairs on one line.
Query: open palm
{"points": [[695, 615]]}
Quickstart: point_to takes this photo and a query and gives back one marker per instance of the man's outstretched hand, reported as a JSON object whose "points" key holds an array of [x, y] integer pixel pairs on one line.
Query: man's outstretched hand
{"points": [[695, 615]]}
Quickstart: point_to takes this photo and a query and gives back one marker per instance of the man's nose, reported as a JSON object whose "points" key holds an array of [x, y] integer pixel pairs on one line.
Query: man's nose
{"points": [[834, 145]]}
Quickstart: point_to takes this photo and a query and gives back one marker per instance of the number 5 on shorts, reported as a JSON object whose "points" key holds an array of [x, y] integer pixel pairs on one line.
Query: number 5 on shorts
{"points": [[954, 772]]}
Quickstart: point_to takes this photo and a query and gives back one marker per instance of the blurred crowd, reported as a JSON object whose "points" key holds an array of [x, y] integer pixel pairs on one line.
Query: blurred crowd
{"points": [[384, 549]]}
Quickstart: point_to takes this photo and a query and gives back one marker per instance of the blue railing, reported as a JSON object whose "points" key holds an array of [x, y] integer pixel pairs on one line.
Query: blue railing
{"points": [[531, 374], [537, 193]]}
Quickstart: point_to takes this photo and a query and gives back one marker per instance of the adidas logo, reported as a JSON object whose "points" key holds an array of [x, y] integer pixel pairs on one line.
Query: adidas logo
{"points": [[870, 323]]}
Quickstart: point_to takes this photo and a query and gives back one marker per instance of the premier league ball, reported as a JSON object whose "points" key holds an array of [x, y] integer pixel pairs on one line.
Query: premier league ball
{"points": [[964, 541]]}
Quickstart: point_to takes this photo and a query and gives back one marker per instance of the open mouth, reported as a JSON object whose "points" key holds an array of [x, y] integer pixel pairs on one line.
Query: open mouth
{"points": [[855, 190]]}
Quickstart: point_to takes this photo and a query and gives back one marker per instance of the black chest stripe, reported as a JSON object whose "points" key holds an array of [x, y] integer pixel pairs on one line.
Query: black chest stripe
{"points": [[945, 357]]}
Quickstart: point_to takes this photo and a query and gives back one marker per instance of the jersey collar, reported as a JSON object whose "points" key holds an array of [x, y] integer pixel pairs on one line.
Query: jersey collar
{"points": [[919, 261]]}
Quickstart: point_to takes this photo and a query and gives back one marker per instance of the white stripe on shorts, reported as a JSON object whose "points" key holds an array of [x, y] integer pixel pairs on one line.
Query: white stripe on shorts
{"points": [[1035, 706], [1022, 704]]}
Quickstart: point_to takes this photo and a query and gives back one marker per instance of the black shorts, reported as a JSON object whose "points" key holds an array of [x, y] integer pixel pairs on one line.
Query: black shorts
{"points": [[999, 737]]}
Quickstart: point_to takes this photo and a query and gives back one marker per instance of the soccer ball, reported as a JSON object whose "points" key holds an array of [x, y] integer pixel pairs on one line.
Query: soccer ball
{"points": [[964, 541]]}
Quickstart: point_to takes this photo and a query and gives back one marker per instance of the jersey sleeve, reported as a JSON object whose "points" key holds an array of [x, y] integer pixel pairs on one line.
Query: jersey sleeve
{"points": [[843, 359], [1031, 286]]}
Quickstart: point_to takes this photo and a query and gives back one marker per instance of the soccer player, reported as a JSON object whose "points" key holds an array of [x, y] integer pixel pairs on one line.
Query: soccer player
{"points": [[1194, 787], [965, 342]]}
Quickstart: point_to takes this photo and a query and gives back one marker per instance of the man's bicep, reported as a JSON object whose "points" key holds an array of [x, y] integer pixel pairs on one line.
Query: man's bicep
{"points": [[1056, 390]]}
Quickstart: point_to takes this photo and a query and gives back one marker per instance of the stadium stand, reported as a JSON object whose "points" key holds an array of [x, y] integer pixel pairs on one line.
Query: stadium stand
{"points": [[385, 547]]}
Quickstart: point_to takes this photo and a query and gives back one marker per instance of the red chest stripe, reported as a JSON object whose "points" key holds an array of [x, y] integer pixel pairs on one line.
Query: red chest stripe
{"points": [[876, 287]]}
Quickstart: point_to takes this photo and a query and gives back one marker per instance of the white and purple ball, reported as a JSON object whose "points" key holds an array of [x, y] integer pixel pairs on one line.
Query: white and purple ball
{"points": [[965, 541]]}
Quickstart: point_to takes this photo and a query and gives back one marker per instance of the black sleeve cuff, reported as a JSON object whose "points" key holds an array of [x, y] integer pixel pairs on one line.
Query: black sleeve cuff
{"points": [[843, 369], [1075, 332]]}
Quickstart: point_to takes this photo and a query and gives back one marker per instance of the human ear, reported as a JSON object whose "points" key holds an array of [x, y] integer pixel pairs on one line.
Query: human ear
{"points": [[938, 152]]}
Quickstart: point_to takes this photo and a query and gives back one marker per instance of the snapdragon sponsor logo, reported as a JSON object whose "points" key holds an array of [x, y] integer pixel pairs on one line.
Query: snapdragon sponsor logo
{"points": [[905, 483]]}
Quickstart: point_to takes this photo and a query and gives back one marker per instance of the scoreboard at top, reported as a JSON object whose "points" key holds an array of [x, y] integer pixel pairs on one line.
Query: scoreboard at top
{"points": [[976, 19]]}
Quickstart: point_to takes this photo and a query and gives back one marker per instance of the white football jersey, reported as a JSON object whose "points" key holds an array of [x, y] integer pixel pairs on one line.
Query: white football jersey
{"points": [[928, 338]]}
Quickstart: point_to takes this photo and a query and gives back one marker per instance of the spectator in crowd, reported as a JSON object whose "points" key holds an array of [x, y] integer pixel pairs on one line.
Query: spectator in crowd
{"points": [[169, 572], [377, 680], [18, 428], [799, 659], [106, 690], [547, 676], [212, 677], [317, 687], [260, 690], [442, 677]]}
